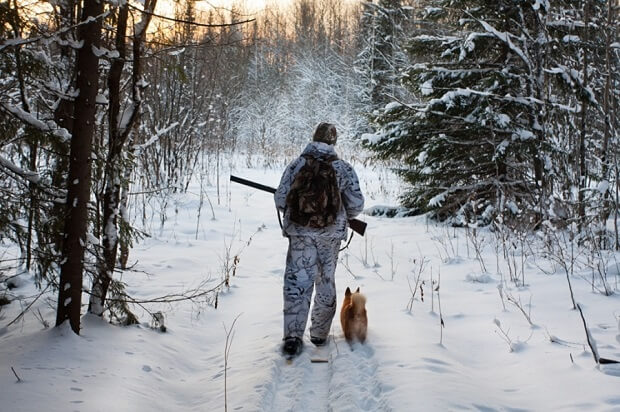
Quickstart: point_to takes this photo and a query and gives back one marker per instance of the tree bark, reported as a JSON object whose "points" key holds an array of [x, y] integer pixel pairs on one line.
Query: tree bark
{"points": [[78, 194], [581, 206], [113, 164], [607, 113], [119, 130]]}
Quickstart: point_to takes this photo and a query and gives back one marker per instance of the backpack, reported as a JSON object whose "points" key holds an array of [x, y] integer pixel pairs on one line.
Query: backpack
{"points": [[314, 197]]}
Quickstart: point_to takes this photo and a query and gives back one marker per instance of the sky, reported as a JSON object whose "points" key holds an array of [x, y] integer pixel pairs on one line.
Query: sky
{"points": [[251, 5], [166, 7]]}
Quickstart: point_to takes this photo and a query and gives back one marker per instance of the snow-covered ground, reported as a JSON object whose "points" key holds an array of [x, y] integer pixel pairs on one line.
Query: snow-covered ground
{"points": [[487, 357]]}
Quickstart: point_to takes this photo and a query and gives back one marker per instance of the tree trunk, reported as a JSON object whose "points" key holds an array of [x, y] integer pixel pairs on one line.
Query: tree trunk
{"points": [[538, 114], [607, 113], [119, 130], [33, 136], [124, 240], [78, 195], [113, 164], [581, 207], [33, 204]]}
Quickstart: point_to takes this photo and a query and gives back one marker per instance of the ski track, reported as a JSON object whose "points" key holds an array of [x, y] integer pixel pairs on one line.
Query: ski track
{"points": [[347, 382], [356, 386], [293, 386]]}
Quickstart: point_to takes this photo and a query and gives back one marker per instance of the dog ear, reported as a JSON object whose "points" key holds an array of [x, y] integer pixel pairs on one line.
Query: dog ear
{"points": [[357, 290], [347, 292]]}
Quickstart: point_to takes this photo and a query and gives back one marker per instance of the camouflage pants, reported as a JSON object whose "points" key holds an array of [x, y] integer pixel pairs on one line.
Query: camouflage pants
{"points": [[310, 265]]}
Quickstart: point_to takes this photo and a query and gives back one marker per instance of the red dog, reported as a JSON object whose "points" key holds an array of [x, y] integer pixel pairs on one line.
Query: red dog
{"points": [[353, 316]]}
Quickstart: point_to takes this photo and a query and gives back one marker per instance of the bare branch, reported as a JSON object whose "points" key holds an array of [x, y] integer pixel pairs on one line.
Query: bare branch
{"points": [[193, 23]]}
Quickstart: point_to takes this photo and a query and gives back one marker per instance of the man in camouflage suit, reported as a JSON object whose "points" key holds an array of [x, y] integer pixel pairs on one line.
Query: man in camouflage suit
{"points": [[313, 252]]}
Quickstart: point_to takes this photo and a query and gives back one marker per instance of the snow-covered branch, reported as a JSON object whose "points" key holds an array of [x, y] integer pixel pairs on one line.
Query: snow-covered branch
{"points": [[505, 37], [17, 42], [155, 137], [48, 126], [29, 175]]}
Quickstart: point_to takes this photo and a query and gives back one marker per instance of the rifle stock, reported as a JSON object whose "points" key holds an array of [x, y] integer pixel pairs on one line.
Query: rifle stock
{"points": [[355, 224]]}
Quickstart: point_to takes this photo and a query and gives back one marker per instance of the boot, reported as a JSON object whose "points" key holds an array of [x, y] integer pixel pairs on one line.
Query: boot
{"points": [[292, 347]]}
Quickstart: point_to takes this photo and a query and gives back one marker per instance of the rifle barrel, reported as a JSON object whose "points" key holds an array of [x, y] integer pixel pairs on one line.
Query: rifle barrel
{"points": [[355, 224], [252, 184]]}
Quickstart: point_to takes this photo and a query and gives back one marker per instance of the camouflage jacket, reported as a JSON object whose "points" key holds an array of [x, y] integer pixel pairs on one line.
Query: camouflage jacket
{"points": [[351, 195]]}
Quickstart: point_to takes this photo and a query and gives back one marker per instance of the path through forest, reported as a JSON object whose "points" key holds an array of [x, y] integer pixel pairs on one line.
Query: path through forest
{"points": [[486, 356]]}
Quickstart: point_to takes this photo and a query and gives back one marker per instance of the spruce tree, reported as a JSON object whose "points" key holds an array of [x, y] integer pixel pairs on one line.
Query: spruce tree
{"points": [[476, 143]]}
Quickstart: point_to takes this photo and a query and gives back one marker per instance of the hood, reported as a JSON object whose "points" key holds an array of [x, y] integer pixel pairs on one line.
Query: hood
{"points": [[319, 149]]}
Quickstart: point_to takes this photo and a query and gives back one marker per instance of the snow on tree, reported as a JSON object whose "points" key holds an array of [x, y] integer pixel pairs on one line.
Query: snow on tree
{"points": [[482, 138], [381, 57]]}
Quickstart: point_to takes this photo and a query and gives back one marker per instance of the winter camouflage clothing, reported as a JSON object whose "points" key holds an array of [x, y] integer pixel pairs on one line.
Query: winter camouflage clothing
{"points": [[313, 252], [310, 264], [350, 194]]}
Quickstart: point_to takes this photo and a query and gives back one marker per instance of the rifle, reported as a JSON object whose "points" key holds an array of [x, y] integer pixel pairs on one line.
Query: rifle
{"points": [[355, 224]]}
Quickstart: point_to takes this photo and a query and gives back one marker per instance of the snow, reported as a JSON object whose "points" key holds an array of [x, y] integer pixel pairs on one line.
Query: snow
{"points": [[92, 239], [512, 207], [422, 157], [541, 3], [432, 10], [448, 98], [101, 99], [427, 87], [177, 52], [505, 37], [29, 175], [489, 358], [571, 39], [391, 106], [158, 134], [44, 126], [437, 200], [102, 51], [503, 120], [522, 134], [469, 44], [372, 138], [603, 187]]}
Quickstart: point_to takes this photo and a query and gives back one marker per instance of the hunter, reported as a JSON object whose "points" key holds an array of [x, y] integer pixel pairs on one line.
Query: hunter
{"points": [[318, 194]]}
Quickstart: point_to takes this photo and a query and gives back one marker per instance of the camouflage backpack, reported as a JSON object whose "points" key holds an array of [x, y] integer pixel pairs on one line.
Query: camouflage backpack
{"points": [[314, 198]]}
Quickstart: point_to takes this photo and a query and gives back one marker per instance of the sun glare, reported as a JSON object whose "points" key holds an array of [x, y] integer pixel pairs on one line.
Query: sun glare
{"points": [[249, 6]]}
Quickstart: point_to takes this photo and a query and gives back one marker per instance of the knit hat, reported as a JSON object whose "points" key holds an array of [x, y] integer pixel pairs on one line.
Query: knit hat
{"points": [[326, 133]]}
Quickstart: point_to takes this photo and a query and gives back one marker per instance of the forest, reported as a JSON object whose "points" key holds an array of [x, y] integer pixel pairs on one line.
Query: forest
{"points": [[478, 115], [501, 113]]}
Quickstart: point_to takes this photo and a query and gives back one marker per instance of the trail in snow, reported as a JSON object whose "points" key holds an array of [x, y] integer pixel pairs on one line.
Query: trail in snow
{"points": [[402, 367], [298, 386], [347, 382], [356, 386]]}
